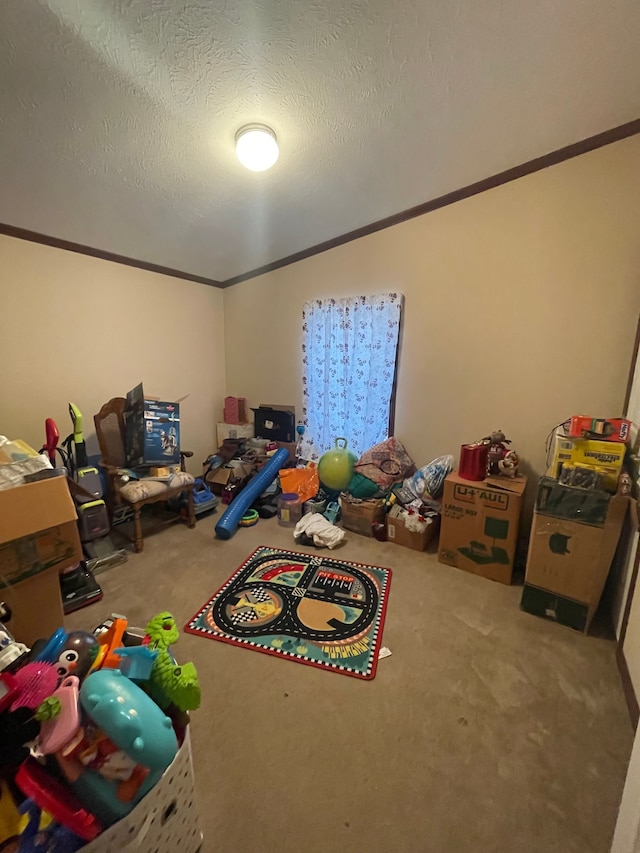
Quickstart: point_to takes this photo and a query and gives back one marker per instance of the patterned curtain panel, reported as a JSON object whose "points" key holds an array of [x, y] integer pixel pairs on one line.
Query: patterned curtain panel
{"points": [[349, 362]]}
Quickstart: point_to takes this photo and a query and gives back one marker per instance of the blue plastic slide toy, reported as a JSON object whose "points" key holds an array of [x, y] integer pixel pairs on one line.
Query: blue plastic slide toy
{"points": [[228, 524]]}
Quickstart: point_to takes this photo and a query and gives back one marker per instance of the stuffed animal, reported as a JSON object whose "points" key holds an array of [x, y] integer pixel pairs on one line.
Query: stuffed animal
{"points": [[498, 450], [508, 465]]}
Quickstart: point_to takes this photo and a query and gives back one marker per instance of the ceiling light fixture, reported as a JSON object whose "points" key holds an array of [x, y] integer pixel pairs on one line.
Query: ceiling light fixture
{"points": [[257, 147]]}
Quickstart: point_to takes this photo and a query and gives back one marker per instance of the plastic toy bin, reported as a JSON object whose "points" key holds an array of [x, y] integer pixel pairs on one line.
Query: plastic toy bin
{"points": [[165, 821]]}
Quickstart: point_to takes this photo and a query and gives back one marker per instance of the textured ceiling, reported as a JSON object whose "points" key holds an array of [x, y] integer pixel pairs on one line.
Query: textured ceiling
{"points": [[117, 117]]}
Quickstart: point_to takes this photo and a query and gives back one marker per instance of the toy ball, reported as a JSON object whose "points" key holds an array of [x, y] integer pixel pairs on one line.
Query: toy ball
{"points": [[335, 468]]}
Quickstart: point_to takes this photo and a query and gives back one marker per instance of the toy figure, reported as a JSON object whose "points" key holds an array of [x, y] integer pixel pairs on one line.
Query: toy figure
{"points": [[498, 449], [508, 465], [11, 652], [170, 684]]}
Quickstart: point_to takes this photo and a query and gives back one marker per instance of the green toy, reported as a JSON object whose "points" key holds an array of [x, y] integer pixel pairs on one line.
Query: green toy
{"points": [[335, 467], [170, 683], [162, 631], [49, 709]]}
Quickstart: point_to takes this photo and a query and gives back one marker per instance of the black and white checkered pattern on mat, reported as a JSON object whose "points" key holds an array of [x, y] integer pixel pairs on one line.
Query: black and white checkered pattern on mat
{"points": [[257, 594], [240, 617]]}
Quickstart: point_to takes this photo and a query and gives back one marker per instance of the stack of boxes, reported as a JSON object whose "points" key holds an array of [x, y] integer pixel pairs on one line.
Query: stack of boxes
{"points": [[236, 420], [38, 539], [578, 519], [479, 527]]}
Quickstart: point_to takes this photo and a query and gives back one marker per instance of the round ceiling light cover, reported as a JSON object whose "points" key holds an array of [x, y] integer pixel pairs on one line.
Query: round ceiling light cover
{"points": [[257, 147]]}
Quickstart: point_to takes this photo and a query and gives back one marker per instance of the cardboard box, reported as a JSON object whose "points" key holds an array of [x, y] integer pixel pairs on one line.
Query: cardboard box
{"points": [[607, 456], [479, 526], [398, 533], [277, 423], [221, 477], [224, 430], [163, 472], [557, 608], [571, 559], [36, 607], [290, 446], [152, 430], [359, 516], [38, 538]]}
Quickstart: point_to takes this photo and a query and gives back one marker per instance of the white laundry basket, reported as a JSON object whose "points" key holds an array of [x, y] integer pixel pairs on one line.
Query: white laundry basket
{"points": [[165, 821]]}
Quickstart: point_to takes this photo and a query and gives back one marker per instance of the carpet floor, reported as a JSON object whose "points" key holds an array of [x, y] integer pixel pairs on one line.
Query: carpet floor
{"points": [[487, 730]]}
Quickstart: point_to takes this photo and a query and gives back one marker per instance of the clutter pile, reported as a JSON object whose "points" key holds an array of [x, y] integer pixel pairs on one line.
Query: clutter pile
{"points": [[381, 494], [580, 509], [482, 505], [91, 723]]}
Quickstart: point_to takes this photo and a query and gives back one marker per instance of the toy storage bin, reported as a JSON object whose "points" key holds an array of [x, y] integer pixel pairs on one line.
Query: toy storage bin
{"points": [[165, 821]]}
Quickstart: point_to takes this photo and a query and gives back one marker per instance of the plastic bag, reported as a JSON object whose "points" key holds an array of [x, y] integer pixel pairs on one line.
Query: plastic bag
{"points": [[303, 482], [430, 479]]}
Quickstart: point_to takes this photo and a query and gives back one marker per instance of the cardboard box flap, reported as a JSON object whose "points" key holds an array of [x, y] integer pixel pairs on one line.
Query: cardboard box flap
{"points": [[26, 509], [515, 485]]}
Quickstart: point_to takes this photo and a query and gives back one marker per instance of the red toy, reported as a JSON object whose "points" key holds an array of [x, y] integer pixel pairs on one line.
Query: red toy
{"points": [[53, 797], [613, 429]]}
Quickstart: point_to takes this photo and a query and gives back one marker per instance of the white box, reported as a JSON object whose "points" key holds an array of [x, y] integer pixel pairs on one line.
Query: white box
{"points": [[234, 431], [165, 821]]}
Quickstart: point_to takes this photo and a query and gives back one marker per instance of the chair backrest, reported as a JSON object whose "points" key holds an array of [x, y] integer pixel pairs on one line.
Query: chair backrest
{"points": [[109, 424]]}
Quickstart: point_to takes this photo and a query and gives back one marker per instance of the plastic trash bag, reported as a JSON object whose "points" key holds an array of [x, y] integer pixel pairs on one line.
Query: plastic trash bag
{"points": [[304, 482], [429, 480]]}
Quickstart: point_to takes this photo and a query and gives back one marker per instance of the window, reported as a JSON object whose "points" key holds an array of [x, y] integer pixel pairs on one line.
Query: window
{"points": [[349, 367]]}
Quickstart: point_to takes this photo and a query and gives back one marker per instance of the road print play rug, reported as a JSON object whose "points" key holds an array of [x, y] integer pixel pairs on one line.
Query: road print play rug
{"points": [[317, 610]]}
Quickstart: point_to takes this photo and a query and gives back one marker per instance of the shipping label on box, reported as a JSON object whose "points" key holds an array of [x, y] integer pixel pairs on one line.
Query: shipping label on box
{"points": [[479, 526]]}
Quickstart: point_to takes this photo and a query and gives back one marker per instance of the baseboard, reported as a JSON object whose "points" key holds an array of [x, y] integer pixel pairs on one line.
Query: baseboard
{"points": [[627, 686]]}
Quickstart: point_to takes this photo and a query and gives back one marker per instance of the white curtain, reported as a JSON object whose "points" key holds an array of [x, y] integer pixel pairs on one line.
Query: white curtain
{"points": [[349, 362]]}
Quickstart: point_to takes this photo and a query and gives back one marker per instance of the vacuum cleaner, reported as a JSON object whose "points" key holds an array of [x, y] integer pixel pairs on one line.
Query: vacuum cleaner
{"points": [[78, 584]]}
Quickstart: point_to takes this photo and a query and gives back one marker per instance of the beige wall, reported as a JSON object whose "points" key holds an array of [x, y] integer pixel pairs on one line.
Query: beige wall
{"points": [[74, 328], [521, 307]]}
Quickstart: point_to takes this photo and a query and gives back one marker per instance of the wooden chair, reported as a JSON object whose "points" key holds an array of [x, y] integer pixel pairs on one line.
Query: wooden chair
{"points": [[109, 423]]}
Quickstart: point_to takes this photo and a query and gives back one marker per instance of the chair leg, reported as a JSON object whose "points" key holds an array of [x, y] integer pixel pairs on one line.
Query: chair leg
{"points": [[138, 543], [191, 508]]}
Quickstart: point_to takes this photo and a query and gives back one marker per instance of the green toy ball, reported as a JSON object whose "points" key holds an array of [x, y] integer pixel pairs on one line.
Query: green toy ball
{"points": [[335, 467]]}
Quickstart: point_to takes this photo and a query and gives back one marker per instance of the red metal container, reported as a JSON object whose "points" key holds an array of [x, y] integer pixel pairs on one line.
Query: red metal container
{"points": [[473, 461]]}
